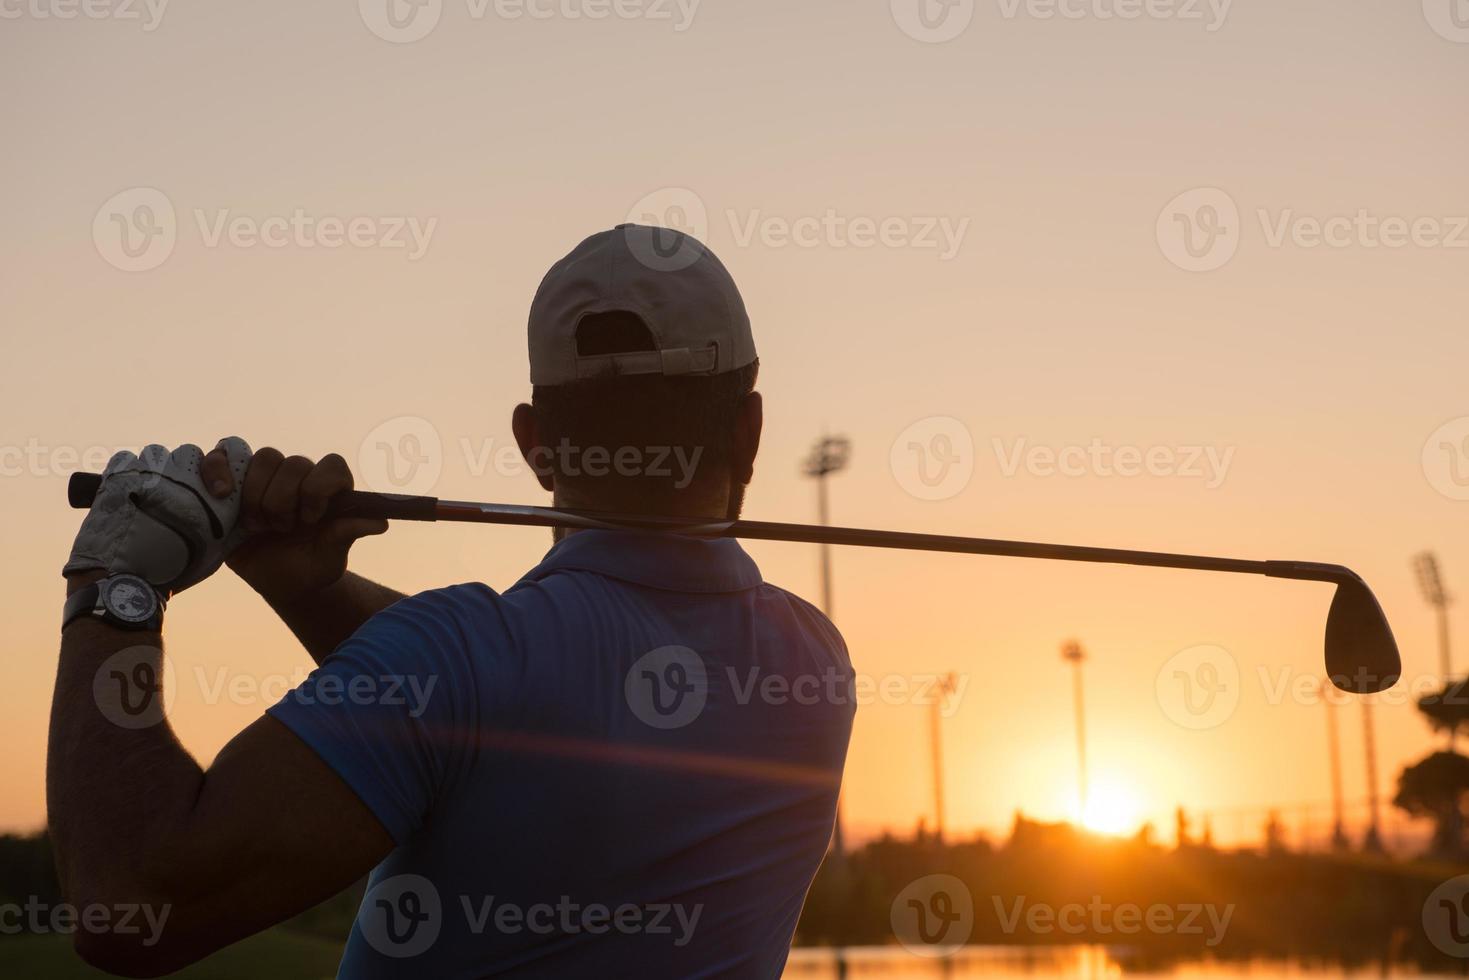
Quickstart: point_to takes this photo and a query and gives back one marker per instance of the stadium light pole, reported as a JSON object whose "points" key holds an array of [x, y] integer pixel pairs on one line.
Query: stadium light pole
{"points": [[942, 690], [1373, 841], [1430, 580], [829, 455], [1071, 651], [1333, 749]]}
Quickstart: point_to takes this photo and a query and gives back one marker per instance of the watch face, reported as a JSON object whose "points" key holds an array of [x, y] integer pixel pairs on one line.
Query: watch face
{"points": [[130, 599]]}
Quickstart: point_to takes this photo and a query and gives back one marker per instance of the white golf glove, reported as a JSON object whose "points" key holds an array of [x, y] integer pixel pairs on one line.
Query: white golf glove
{"points": [[154, 518]]}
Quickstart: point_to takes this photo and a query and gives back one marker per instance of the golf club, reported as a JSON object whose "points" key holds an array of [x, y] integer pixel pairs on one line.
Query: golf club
{"points": [[1361, 654]]}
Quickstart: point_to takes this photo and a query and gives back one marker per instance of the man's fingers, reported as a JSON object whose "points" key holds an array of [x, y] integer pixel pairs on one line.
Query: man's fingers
{"points": [[216, 473], [257, 480], [327, 478], [281, 502], [345, 530], [281, 492]]}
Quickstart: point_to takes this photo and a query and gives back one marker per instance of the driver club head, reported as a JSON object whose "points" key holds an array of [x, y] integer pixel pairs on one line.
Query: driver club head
{"points": [[1361, 654]]}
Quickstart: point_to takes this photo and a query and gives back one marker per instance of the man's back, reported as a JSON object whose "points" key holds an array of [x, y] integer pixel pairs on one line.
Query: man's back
{"points": [[628, 764]]}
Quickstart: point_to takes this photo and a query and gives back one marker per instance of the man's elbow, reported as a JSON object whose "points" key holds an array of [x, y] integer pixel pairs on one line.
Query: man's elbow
{"points": [[133, 938], [130, 956], [126, 956]]}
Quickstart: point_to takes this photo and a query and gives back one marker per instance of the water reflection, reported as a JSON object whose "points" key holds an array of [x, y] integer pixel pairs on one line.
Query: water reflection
{"points": [[1055, 963]]}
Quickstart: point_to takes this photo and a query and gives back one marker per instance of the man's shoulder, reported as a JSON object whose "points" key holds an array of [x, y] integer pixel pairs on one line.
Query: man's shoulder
{"points": [[452, 616], [807, 615], [468, 598]]}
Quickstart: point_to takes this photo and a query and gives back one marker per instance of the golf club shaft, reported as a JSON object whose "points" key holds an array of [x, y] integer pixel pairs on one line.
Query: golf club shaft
{"points": [[358, 503]]}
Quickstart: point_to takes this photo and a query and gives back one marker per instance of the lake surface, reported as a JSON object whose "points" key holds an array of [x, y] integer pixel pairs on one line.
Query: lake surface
{"points": [[1050, 963]]}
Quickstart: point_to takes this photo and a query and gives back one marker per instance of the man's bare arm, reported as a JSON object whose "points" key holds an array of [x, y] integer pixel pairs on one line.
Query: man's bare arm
{"points": [[296, 557], [209, 856], [322, 621]]}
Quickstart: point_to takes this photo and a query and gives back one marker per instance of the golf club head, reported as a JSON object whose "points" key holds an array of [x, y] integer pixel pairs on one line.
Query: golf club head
{"points": [[1361, 654]]}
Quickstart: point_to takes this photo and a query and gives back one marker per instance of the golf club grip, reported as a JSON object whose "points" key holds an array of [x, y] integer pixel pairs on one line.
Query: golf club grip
{"points": [[81, 489]]}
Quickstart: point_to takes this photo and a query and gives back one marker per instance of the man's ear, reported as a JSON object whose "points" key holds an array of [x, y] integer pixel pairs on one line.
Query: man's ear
{"points": [[748, 423], [533, 448]]}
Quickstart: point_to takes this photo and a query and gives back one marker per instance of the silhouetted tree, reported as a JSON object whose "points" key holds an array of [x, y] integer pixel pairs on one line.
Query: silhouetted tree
{"points": [[1437, 787], [1448, 710]]}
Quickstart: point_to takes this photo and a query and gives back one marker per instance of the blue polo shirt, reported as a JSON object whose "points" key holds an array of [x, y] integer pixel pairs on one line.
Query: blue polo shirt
{"points": [[627, 765]]}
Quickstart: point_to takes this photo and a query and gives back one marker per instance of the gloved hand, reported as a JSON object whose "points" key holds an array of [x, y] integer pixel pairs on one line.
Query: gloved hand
{"points": [[153, 517]]}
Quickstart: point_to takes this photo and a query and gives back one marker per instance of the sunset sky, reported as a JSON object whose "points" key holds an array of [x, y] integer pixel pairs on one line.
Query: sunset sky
{"points": [[963, 245]]}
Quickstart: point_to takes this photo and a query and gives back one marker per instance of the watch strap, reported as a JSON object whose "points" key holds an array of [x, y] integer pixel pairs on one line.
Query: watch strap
{"points": [[80, 603]]}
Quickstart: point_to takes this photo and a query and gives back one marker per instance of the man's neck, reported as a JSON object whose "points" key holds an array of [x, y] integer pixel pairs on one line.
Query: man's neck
{"points": [[682, 506]]}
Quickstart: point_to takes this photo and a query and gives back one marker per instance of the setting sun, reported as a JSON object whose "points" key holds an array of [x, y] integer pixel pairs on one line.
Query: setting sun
{"points": [[1111, 808]]}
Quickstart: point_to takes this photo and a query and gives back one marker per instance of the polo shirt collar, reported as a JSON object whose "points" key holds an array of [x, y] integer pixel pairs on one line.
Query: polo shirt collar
{"points": [[672, 562]]}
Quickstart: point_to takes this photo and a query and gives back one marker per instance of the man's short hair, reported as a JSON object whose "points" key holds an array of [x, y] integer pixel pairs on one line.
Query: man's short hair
{"points": [[639, 442]]}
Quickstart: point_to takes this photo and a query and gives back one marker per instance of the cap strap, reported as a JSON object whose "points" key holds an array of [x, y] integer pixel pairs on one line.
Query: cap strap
{"points": [[672, 362]]}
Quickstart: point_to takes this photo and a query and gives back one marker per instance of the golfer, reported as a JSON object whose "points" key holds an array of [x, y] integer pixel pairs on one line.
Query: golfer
{"points": [[625, 765]]}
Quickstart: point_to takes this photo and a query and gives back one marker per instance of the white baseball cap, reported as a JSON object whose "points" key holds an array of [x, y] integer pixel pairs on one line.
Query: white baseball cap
{"points": [[671, 281]]}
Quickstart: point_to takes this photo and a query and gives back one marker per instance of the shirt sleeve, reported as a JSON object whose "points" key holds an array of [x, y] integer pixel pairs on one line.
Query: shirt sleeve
{"points": [[394, 709]]}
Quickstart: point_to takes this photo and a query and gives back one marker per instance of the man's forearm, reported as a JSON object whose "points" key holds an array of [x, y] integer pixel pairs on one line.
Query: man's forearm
{"points": [[326, 619], [209, 857], [118, 783]]}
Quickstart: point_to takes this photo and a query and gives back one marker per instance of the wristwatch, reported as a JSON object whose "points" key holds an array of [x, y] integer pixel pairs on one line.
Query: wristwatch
{"points": [[125, 601]]}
